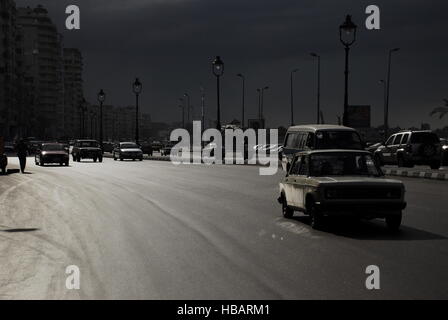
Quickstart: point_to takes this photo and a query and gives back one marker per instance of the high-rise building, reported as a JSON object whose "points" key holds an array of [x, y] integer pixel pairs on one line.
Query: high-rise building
{"points": [[73, 92], [43, 67], [10, 124]]}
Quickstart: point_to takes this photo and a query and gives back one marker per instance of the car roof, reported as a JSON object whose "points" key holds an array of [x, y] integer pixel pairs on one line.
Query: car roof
{"points": [[319, 127], [307, 152]]}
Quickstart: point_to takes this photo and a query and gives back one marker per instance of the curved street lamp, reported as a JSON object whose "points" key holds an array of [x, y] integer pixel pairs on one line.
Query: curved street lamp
{"points": [[315, 55], [243, 78], [386, 110], [101, 99], [137, 89], [347, 36], [218, 71]]}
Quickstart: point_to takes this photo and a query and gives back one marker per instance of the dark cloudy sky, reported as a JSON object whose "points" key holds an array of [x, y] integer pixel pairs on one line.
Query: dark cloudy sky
{"points": [[170, 44]]}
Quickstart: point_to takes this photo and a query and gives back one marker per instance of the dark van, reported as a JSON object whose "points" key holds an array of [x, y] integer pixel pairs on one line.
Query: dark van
{"points": [[318, 137]]}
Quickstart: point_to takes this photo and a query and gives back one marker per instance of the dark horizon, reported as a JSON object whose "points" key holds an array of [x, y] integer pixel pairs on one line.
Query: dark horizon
{"points": [[170, 45]]}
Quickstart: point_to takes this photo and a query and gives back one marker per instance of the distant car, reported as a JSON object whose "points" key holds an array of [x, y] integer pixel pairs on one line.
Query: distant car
{"points": [[371, 147], [156, 145], [147, 148], [87, 149], [127, 150], [318, 137], [324, 183], [166, 150], [409, 148], [52, 153], [444, 143]]}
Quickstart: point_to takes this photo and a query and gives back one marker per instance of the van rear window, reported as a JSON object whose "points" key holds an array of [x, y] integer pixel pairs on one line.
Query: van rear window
{"points": [[424, 137]]}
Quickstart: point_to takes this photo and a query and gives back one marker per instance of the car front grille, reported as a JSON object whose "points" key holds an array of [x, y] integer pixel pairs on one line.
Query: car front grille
{"points": [[363, 193]]}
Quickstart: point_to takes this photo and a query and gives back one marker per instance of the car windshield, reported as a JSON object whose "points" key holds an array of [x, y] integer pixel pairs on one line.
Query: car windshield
{"points": [[338, 140], [88, 144], [52, 147], [424, 137], [342, 164], [129, 146]]}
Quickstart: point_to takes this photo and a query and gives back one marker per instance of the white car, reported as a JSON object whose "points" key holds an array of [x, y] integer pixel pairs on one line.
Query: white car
{"points": [[127, 150], [340, 182]]}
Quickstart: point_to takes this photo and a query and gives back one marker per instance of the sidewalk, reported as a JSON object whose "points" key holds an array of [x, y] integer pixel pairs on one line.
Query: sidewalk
{"points": [[417, 172]]}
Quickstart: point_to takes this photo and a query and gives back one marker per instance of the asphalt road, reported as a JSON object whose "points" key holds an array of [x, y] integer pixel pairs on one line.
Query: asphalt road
{"points": [[151, 230]]}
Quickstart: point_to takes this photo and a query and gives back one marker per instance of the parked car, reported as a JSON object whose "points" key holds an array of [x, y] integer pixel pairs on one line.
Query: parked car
{"points": [[371, 147], [324, 183], [409, 148], [52, 153], [87, 149], [156, 145], [318, 137], [127, 150], [444, 143]]}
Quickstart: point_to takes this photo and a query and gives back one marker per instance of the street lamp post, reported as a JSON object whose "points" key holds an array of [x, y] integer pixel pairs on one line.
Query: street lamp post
{"points": [[187, 96], [318, 85], [101, 98], [218, 70], [292, 95], [347, 36], [243, 78], [262, 104], [384, 83], [202, 108], [92, 116], [386, 111], [182, 105], [83, 109], [137, 88]]}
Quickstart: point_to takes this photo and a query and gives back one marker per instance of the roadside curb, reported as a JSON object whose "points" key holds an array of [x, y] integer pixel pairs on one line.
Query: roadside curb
{"points": [[167, 158], [416, 174]]}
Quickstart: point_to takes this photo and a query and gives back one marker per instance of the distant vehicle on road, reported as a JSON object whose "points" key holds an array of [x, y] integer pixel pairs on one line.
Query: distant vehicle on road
{"points": [[409, 148], [127, 150], [52, 153], [156, 145], [324, 183], [166, 150], [87, 149], [147, 148], [318, 137]]}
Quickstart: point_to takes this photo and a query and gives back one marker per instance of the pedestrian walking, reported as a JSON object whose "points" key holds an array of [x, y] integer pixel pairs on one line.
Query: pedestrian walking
{"points": [[22, 152]]}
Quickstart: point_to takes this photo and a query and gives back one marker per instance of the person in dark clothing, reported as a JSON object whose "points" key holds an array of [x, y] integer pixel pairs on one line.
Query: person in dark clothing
{"points": [[22, 152]]}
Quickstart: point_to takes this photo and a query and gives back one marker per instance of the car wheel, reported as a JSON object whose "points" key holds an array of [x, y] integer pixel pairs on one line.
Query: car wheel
{"points": [[100, 159], [66, 164], [435, 165], [400, 162], [141, 159], [94, 159], [286, 210], [316, 218], [378, 160], [61, 163], [394, 221], [121, 159], [42, 163]]}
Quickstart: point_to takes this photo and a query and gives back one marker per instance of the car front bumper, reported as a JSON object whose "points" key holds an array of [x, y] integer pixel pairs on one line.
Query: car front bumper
{"points": [[361, 209]]}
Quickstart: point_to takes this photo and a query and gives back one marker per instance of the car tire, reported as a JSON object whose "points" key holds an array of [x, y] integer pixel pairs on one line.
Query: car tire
{"points": [[316, 218], [94, 159], [100, 159], [378, 160], [121, 159], [66, 164], [287, 211], [394, 221], [42, 163], [435, 165]]}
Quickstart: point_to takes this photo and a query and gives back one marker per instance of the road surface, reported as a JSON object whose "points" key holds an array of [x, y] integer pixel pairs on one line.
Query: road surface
{"points": [[151, 230]]}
